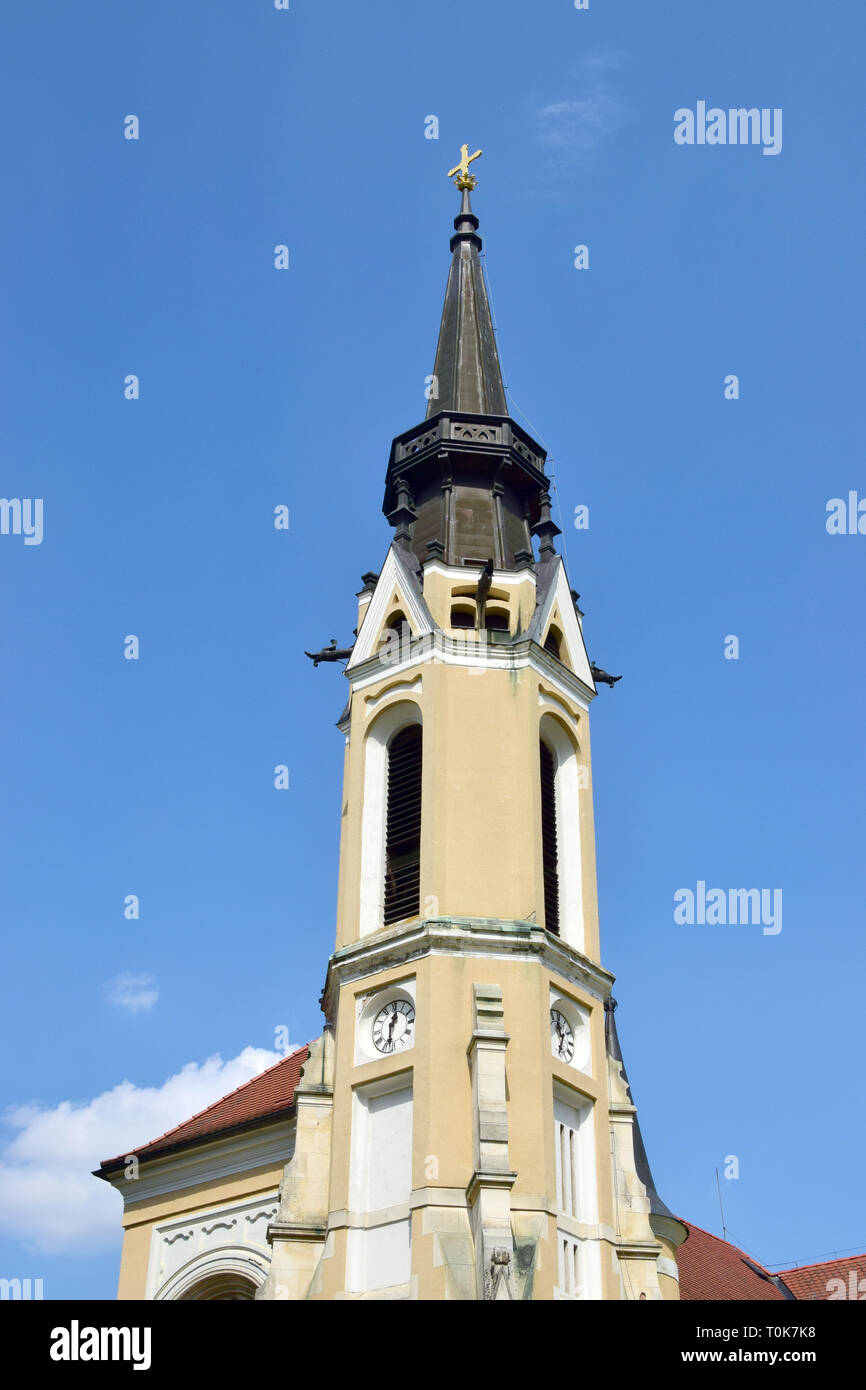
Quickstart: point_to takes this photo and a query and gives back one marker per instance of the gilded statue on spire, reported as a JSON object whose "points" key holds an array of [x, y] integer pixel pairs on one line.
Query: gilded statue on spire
{"points": [[464, 179]]}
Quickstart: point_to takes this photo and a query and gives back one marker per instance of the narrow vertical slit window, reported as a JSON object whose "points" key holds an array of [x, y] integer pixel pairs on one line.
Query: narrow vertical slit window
{"points": [[549, 852], [403, 826]]}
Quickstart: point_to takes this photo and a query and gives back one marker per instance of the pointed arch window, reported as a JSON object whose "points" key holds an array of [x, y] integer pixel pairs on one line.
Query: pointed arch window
{"points": [[553, 643], [549, 849], [403, 826], [396, 626]]}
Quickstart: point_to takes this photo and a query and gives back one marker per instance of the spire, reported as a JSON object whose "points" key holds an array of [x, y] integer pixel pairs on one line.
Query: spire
{"points": [[467, 374], [467, 485]]}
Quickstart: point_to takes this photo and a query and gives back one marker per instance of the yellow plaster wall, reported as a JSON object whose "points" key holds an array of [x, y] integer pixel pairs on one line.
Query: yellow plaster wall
{"points": [[139, 1218], [443, 1155], [441, 590], [480, 844]]}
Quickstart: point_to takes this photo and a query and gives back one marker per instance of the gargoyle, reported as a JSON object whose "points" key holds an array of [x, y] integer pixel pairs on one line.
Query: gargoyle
{"points": [[601, 677], [330, 653]]}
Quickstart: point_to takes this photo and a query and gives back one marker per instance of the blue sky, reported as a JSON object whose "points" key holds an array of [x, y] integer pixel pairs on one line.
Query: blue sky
{"points": [[260, 387]]}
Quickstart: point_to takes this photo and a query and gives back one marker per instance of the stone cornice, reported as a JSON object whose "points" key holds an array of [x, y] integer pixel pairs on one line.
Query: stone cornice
{"points": [[481, 1180], [637, 1249], [461, 573], [222, 1157], [486, 1037], [469, 936], [522, 653], [285, 1230], [520, 1202]]}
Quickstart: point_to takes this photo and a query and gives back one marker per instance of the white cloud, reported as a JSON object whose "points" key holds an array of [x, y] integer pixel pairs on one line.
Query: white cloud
{"points": [[579, 125], [48, 1198], [133, 992], [573, 129]]}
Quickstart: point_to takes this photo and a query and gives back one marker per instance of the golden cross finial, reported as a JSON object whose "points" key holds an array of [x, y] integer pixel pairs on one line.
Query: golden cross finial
{"points": [[464, 179]]}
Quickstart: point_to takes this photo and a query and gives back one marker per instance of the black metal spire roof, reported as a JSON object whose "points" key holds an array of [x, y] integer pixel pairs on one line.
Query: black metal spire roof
{"points": [[467, 374], [468, 485]]}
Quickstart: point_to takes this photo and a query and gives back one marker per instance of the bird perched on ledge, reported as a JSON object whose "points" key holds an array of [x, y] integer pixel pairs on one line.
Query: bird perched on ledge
{"points": [[330, 653]]}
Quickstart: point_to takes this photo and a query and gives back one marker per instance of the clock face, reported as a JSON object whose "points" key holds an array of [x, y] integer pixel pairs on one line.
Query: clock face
{"points": [[561, 1036], [393, 1025]]}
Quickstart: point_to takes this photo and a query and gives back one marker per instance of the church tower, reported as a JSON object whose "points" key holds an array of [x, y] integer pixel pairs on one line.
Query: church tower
{"points": [[464, 1128]]}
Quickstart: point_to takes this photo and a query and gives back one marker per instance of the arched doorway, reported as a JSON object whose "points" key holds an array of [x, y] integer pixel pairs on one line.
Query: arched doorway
{"points": [[220, 1288]]}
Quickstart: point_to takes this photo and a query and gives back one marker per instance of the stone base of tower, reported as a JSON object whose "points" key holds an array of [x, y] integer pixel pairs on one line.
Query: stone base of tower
{"points": [[503, 1149]]}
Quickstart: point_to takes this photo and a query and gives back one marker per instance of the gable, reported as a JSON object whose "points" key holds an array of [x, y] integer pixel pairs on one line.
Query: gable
{"points": [[557, 610], [396, 589]]}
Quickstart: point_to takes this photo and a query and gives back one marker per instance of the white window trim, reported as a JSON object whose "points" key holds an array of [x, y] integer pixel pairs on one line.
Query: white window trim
{"points": [[377, 741], [586, 1181], [588, 1251], [568, 847]]}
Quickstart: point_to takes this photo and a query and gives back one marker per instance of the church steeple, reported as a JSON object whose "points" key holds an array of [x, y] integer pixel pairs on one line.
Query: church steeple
{"points": [[463, 1129], [468, 484], [467, 376]]}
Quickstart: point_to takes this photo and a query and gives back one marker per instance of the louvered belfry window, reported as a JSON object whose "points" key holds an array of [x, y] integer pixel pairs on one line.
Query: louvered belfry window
{"points": [[403, 826], [549, 854]]}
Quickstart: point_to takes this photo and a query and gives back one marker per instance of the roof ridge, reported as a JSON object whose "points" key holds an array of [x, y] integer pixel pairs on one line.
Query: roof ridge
{"points": [[817, 1264]]}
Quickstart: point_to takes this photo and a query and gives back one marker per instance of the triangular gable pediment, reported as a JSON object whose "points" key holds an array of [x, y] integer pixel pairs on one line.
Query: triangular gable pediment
{"points": [[557, 610], [396, 587]]}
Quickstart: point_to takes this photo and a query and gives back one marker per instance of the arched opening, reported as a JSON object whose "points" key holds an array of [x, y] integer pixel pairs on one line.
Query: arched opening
{"points": [[220, 1288], [549, 841], [403, 826], [385, 728], [561, 779], [463, 615], [553, 643], [394, 622], [495, 619]]}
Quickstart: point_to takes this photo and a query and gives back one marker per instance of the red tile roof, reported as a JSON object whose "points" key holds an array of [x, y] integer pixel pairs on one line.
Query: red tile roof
{"points": [[817, 1281], [713, 1270], [264, 1097]]}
